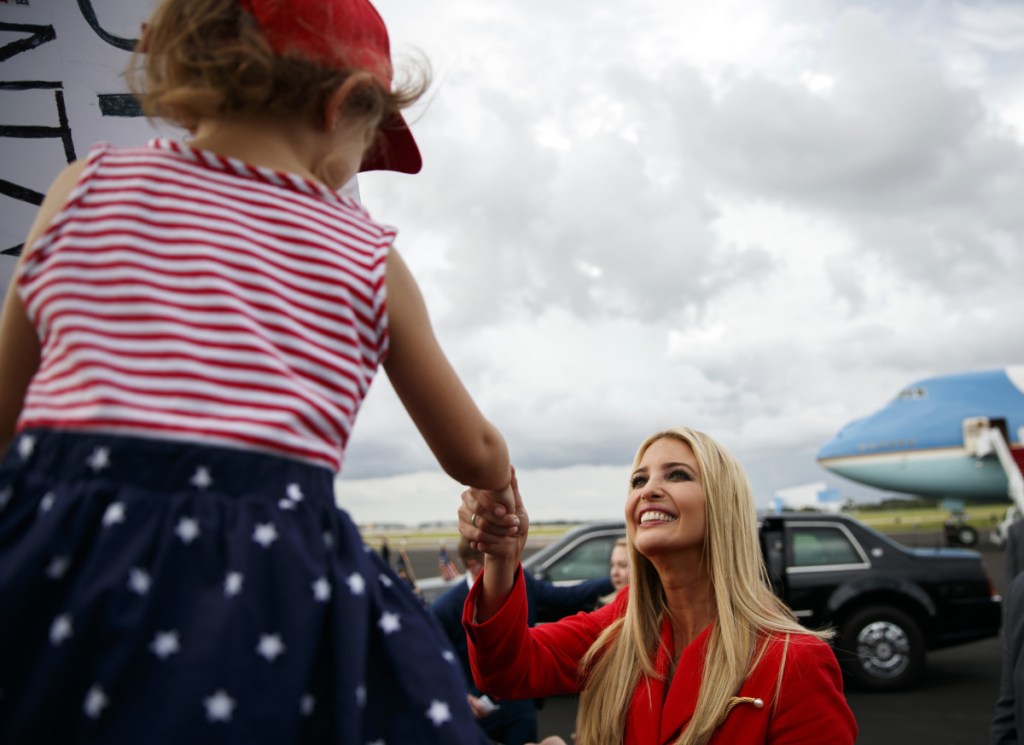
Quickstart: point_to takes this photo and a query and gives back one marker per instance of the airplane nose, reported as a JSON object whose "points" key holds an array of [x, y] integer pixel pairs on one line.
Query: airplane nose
{"points": [[844, 443]]}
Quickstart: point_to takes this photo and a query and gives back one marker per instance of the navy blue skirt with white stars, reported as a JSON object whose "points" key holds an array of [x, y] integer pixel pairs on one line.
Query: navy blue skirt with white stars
{"points": [[158, 592]]}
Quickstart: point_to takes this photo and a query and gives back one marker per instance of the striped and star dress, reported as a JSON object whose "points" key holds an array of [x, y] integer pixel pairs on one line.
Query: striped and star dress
{"points": [[173, 566]]}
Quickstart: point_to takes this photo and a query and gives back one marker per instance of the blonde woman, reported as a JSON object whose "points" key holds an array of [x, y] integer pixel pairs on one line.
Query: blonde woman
{"points": [[698, 649], [618, 570]]}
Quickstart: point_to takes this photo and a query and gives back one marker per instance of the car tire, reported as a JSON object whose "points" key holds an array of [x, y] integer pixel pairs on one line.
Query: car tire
{"points": [[967, 536], [881, 648]]}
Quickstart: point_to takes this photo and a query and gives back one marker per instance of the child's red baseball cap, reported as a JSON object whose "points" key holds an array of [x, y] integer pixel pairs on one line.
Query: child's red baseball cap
{"points": [[342, 33]]}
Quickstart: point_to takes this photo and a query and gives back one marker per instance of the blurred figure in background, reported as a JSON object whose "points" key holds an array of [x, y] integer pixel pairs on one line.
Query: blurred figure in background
{"points": [[1010, 704], [618, 571]]}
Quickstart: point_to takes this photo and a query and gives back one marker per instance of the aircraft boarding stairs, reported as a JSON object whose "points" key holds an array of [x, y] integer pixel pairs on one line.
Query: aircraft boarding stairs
{"points": [[984, 437]]}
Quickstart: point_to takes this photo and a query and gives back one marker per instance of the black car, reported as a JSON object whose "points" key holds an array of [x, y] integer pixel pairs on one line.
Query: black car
{"points": [[889, 604]]}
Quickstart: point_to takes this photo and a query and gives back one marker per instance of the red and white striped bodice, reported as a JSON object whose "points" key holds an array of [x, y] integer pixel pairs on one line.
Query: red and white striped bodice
{"points": [[180, 294]]}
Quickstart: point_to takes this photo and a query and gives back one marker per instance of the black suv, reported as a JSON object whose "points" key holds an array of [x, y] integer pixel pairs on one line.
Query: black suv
{"points": [[889, 603]]}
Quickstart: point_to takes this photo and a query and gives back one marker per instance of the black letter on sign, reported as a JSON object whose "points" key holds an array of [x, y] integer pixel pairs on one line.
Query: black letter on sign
{"points": [[89, 14], [62, 131], [40, 35], [37, 36]]}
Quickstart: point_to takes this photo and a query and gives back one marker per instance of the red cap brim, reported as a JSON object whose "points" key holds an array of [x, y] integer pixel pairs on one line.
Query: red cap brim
{"points": [[395, 149]]}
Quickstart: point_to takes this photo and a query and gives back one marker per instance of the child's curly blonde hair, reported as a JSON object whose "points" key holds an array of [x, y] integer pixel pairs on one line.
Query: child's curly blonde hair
{"points": [[209, 58]]}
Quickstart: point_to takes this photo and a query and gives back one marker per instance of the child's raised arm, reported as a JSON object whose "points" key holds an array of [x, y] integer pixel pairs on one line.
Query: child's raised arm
{"points": [[19, 343], [469, 448]]}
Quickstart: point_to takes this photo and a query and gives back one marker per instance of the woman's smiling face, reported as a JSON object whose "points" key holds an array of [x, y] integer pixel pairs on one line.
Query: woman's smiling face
{"points": [[665, 508]]}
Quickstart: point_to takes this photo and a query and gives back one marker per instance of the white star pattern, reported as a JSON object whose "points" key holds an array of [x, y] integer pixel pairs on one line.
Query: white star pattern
{"points": [[113, 514], [187, 529], [294, 492], [356, 583], [377, 742], [95, 702], [46, 503], [5, 496], [61, 629], [26, 445], [165, 643], [139, 581], [389, 622], [264, 534], [448, 656], [322, 590], [328, 539], [233, 583], [360, 696], [438, 713], [57, 567], [270, 647], [219, 706], [307, 704], [286, 504], [386, 580], [99, 459], [201, 479]]}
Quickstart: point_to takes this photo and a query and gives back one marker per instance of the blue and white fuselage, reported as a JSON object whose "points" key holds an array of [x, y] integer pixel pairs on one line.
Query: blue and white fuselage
{"points": [[916, 444]]}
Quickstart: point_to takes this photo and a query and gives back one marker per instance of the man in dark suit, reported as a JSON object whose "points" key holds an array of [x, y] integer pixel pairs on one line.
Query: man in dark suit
{"points": [[1010, 704], [512, 722], [1014, 547]]}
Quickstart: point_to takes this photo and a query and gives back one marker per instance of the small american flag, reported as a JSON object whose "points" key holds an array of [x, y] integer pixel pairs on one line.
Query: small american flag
{"points": [[445, 566]]}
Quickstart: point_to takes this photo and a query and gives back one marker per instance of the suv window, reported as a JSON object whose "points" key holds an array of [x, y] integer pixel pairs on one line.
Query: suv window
{"points": [[815, 546], [587, 560]]}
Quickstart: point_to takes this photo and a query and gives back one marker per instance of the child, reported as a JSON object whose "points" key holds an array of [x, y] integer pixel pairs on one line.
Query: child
{"points": [[183, 351]]}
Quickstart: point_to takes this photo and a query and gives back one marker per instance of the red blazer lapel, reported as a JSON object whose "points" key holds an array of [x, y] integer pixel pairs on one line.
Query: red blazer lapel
{"points": [[681, 700], [655, 717]]}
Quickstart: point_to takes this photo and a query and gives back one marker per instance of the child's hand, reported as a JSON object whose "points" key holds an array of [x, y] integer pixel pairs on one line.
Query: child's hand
{"points": [[505, 497], [488, 523]]}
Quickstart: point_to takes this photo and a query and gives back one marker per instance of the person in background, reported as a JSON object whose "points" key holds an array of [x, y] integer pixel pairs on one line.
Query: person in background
{"points": [[1009, 710], [618, 570], [508, 721], [188, 338], [1014, 549], [697, 650]]}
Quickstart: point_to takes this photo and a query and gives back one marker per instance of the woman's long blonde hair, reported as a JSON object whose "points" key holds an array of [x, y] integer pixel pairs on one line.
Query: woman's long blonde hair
{"points": [[745, 609]]}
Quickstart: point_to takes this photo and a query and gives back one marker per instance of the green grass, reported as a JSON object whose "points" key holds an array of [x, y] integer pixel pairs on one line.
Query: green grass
{"points": [[981, 517]]}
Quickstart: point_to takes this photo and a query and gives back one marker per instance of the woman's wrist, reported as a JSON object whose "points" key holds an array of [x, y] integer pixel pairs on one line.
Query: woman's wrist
{"points": [[505, 565]]}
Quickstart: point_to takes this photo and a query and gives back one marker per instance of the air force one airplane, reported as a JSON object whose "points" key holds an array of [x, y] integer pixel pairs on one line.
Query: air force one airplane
{"points": [[956, 437]]}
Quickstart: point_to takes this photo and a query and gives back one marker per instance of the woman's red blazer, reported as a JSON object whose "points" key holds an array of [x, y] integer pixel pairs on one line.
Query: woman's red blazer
{"points": [[807, 708]]}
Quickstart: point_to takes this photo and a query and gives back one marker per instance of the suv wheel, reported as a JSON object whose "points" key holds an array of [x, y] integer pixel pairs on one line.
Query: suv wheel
{"points": [[881, 648], [966, 536]]}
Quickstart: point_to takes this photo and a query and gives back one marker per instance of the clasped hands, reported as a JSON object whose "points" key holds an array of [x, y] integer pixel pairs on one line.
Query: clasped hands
{"points": [[495, 522]]}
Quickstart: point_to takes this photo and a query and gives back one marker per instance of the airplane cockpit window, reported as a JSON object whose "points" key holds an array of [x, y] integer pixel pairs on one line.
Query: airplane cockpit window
{"points": [[915, 392]]}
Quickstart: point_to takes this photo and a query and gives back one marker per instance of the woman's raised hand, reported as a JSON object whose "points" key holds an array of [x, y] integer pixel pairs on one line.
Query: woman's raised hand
{"points": [[485, 521]]}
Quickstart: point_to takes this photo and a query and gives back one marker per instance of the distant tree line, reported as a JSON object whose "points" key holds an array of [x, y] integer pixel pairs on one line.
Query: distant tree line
{"points": [[901, 503]]}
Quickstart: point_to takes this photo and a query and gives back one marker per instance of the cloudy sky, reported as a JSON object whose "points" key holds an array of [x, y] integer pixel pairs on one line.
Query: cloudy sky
{"points": [[759, 219]]}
